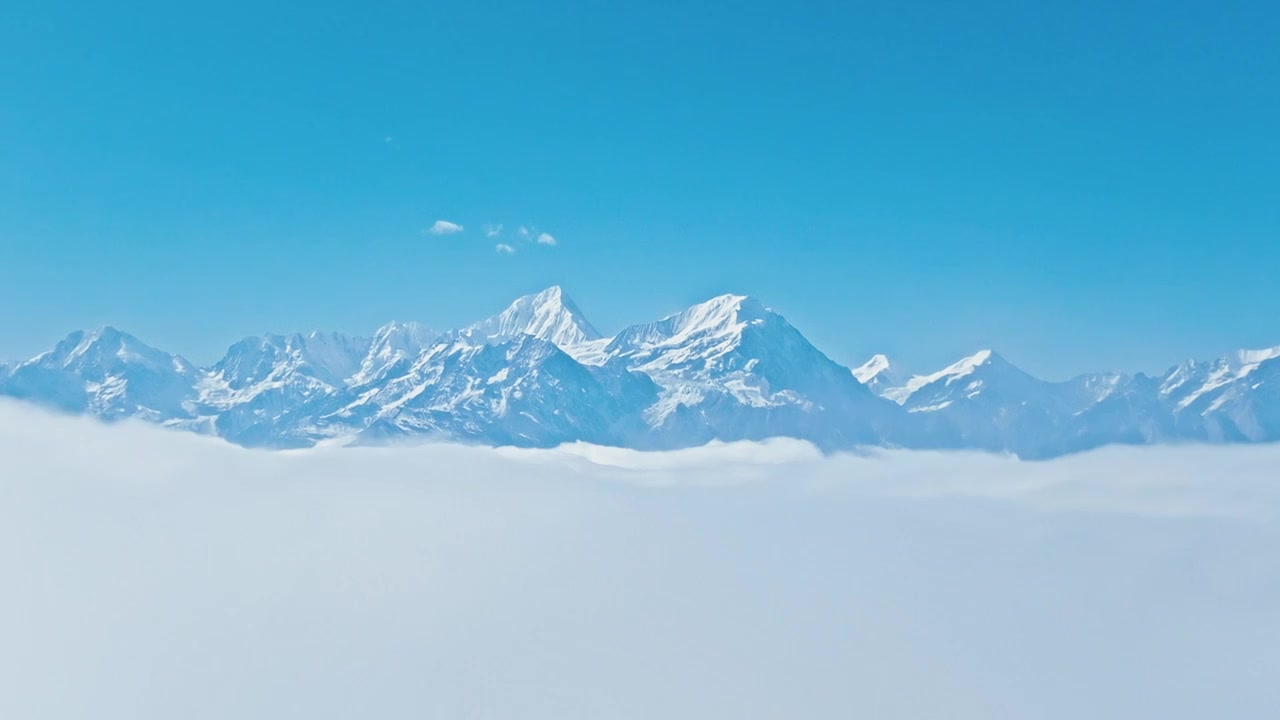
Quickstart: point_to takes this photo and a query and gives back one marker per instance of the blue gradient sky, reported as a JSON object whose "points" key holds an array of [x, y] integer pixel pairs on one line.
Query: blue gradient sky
{"points": [[1081, 188]]}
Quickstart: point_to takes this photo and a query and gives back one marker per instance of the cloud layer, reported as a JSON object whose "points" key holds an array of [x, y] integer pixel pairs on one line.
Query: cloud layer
{"points": [[153, 574]]}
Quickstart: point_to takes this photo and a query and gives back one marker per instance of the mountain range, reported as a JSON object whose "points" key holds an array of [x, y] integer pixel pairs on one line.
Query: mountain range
{"points": [[538, 374]]}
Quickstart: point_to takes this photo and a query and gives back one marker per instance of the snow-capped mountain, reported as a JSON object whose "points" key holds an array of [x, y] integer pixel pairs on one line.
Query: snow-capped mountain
{"points": [[261, 379], [879, 375], [522, 391], [107, 373], [983, 401], [1233, 398], [393, 346], [539, 374], [730, 369], [549, 315]]}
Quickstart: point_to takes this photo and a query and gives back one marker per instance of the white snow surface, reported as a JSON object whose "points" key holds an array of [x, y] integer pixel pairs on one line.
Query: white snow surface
{"points": [[950, 374], [549, 315]]}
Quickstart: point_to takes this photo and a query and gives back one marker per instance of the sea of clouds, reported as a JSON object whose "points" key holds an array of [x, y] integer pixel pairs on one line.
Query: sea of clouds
{"points": [[157, 574]]}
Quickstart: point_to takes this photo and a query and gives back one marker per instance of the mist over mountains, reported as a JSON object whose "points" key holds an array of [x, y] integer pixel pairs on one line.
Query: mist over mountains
{"points": [[539, 374]]}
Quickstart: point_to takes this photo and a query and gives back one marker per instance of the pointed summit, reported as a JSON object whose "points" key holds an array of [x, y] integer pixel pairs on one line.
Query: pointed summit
{"points": [[717, 321], [549, 315], [721, 312], [327, 357], [872, 369], [878, 374], [105, 348], [108, 373], [393, 343], [985, 363]]}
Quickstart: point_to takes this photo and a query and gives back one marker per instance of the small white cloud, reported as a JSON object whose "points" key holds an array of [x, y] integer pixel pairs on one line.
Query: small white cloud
{"points": [[523, 232], [493, 231], [444, 227], [505, 249], [546, 239]]}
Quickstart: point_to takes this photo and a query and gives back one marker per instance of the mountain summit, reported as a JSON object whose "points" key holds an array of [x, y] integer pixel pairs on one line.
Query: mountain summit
{"points": [[549, 315]]}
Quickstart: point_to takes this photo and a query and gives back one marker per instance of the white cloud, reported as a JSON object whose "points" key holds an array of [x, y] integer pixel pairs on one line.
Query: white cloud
{"points": [[493, 231], [743, 580], [523, 232], [444, 227], [505, 249], [546, 239]]}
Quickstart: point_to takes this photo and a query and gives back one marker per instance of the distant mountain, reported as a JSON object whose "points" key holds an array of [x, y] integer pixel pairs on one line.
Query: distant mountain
{"points": [[1232, 399], [549, 315], [732, 369], [878, 374], [391, 348], [110, 374], [539, 374], [984, 402]]}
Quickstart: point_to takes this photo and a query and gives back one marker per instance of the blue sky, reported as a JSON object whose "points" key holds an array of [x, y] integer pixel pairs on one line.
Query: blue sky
{"points": [[1083, 187]]}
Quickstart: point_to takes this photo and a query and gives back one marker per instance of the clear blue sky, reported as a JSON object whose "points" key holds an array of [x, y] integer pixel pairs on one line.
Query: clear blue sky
{"points": [[1092, 186]]}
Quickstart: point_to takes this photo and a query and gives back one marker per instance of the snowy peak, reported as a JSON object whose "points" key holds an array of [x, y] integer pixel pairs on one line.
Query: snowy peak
{"points": [[403, 336], [721, 315], [327, 357], [728, 365], [393, 344], [947, 376], [549, 315], [871, 369], [108, 373], [878, 374], [1193, 382], [716, 323], [107, 351]]}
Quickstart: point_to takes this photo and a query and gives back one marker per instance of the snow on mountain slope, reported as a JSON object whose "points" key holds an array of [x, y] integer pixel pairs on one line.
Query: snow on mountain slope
{"points": [[549, 315], [260, 379], [1189, 382], [1234, 398], [306, 363], [983, 401], [878, 374], [392, 346], [939, 386], [107, 373], [1114, 408], [525, 391], [730, 368]]}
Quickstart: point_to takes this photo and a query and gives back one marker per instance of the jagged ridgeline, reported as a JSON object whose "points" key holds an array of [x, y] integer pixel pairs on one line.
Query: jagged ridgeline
{"points": [[539, 374]]}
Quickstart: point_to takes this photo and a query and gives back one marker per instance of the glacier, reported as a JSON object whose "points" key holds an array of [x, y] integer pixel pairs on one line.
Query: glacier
{"points": [[539, 374]]}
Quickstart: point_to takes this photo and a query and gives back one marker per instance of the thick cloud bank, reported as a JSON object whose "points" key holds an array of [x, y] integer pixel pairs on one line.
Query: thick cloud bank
{"points": [[154, 574]]}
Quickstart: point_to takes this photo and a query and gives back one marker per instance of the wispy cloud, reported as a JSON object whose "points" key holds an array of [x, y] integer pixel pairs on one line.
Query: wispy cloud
{"points": [[444, 227], [493, 231], [505, 249], [546, 239], [523, 232]]}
